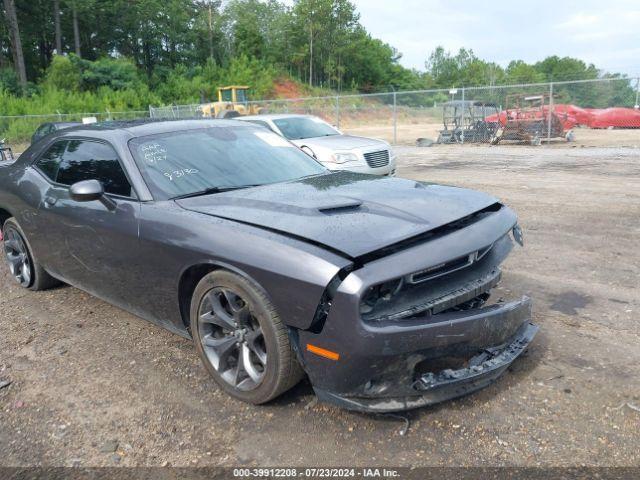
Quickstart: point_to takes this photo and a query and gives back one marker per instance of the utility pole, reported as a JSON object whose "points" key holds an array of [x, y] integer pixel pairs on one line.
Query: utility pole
{"points": [[549, 113], [395, 117], [462, 117]]}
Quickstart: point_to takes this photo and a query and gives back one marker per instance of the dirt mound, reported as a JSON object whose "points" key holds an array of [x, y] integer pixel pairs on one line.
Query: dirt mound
{"points": [[287, 88]]}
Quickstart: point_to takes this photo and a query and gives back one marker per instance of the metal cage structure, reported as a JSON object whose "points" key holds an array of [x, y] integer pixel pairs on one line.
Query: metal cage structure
{"points": [[465, 121]]}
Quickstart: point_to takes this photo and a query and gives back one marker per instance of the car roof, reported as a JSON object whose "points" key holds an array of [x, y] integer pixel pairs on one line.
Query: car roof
{"points": [[144, 127], [274, 116], [65, 124], [60, 124]]}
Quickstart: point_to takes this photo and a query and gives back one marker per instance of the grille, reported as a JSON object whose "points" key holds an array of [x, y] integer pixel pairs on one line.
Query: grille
{"points": [[377, 159]]}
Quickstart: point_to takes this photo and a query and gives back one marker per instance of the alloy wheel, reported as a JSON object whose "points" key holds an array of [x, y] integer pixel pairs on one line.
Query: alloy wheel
{"points": [[17, 255], [232, 338]]}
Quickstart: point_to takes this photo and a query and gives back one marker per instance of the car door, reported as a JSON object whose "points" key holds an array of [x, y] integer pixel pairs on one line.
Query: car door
{"points": [[91, 246]]}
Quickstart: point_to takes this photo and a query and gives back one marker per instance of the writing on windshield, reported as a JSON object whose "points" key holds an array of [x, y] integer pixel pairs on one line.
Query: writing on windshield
{"points": [[183, 162]]}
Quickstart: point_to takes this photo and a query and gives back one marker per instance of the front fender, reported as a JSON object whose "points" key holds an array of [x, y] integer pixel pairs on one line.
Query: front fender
{"points": [[293, 273]]}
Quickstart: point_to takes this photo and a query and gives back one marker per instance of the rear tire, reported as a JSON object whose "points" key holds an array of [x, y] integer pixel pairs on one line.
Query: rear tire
{"points": [[24, 267], [241, 340]]}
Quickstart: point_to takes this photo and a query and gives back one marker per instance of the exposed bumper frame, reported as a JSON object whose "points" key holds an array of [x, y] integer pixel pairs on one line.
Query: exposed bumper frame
{"points": [[431, 388]]}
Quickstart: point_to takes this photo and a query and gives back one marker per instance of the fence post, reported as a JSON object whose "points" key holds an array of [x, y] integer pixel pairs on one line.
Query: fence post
{"points": [[395, 119], [60, 115], [462, 118], [108, 114], [637, 106], [549, 113], [338, 111]]}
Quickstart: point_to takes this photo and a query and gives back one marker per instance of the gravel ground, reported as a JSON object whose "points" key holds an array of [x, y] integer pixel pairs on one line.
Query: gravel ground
{"points": [[92, 385]]}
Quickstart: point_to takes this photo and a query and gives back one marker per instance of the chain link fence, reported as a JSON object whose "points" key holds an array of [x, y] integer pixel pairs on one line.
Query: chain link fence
{"points": [[601, 112], [17, 129], [193, 110]]}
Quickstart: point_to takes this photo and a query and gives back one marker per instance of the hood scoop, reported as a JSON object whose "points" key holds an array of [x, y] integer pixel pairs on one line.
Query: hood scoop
{"points": [[339, 206]]}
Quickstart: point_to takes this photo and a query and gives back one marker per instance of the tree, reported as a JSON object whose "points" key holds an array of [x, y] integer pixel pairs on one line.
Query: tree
{"points": [[566, 68], [193, 45], [76, 29], [519, 71], [323, 30], [16, 42], [462, 69], [58, 30], [210, 29], [63, 74]]}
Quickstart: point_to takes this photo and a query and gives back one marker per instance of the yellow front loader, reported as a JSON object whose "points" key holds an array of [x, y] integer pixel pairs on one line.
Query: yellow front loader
{"points": [[232, 102]]}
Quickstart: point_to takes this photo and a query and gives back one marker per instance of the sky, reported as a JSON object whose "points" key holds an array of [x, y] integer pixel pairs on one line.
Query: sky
{"points": [[603, 32]]}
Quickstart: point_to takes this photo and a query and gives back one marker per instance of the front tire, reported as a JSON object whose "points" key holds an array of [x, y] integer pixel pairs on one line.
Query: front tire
{"points": [[241, 340], [22, 264], [228, 114]]}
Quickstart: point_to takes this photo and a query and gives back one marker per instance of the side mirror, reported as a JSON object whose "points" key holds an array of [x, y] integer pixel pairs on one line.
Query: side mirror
{"points": [[89, 191], [86, 191]]}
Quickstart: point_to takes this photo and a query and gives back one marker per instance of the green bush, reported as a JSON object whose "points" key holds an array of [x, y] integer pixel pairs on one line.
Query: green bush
{"points": [[63, 74], [51, 100], [75, 85], [250, 71], [9, 81], [183, 85], [115, 73]]}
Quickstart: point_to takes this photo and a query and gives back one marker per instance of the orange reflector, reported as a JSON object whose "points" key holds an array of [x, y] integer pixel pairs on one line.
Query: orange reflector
{"points": [[323, 352]]}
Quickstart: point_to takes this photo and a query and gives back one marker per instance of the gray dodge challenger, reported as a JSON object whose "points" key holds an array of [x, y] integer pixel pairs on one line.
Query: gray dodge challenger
{"points": [[378, 289]]}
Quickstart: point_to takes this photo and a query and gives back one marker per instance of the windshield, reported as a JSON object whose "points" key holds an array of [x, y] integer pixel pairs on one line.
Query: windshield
{"points": [[297, 128], [190, 161], [241, 95]]}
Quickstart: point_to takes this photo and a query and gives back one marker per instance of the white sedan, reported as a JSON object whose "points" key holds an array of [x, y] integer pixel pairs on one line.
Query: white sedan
{"points": [[328, 145]]}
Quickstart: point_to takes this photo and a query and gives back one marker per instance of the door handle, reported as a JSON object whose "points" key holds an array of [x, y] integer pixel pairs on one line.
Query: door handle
{"points": [[50, 201]]}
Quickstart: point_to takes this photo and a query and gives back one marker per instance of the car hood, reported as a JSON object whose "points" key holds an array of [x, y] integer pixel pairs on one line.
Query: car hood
{"points": [[340, 142], [352, 213]]}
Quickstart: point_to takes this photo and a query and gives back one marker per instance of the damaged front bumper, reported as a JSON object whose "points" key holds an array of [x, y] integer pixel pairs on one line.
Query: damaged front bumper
{"points": [[444, 345], [431, 388], [400, 369]]}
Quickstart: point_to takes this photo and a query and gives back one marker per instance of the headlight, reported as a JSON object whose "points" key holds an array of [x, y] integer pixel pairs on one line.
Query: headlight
{"points": [[344, 157], [380, 293]]}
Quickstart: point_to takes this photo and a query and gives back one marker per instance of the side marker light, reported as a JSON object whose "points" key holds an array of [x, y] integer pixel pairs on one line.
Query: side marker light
{"points": [[323, 352]]}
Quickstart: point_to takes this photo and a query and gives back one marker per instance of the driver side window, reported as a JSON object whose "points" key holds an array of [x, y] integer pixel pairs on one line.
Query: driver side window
{"points": [[72, 161], [49, 162]]}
